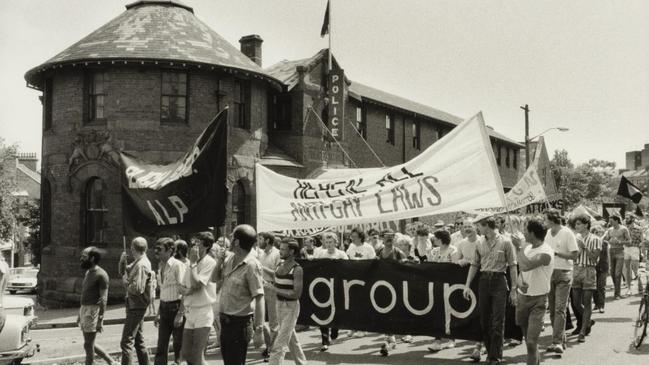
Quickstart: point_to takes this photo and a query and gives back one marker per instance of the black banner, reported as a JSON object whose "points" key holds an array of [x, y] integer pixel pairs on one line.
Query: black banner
{"points": [[394, 298], [185, 196]]}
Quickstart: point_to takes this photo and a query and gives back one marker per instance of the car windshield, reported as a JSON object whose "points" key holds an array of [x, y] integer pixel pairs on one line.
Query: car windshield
{"points": [[23, 272]]}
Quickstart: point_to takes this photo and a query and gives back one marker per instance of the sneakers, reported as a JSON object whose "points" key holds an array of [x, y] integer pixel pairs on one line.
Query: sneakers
{"points": [[601, 310], [407, 339], [556, 348], [581, 338], [475, 355], [351, 334], [266, 355], [324, 348], [436, 346], [359, 334], [449, 345], [384, 350]]}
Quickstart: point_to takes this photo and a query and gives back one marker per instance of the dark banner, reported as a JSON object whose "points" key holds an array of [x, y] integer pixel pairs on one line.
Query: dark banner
{"points": [[609, 209], [185, 196], [393, 298]]}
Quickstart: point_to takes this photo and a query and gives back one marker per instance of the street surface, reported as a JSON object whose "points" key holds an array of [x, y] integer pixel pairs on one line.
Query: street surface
{"points": [[607, 344]]}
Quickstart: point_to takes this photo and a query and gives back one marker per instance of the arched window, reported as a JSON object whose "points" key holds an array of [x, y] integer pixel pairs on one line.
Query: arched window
{"points": [[96, 211], [239, 203]]}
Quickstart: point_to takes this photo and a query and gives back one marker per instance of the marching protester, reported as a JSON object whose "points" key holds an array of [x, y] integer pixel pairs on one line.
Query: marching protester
{"points": [[584, 281], [329, 251], [389, 252], [618, 237], [535, 262], [602, 267], [442, 251], [170, 311], [494, 257], [404, 243], [94, 295], [219, 248], [458, 233], [375, 239], [359, 250], [422, 242], [466, 250], [198, 299], [287, 287], [242, 296], [180, 252], [563, 243], [138, 276], [269, 257], [632, 254], [308, 250]]}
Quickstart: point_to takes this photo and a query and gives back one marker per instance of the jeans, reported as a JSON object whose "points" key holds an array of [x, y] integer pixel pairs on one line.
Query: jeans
{"points": [[168, 311], [270, 328], [558, 301], [582, 300], [286, 338], [325, 332], [617, 266], [236, 333], [492, 299], [133, 334], [600, 295], [530, 311], [631, 269]]}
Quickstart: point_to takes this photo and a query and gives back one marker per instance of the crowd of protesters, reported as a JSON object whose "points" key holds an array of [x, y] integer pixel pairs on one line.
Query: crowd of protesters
{"points": [[247, 288]]}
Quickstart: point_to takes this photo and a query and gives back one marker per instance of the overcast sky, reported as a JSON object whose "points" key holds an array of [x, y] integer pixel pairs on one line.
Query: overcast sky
{"points": [[578, 64]]}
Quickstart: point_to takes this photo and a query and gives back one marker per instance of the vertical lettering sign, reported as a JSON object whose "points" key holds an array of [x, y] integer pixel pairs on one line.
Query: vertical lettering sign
{"points": [[336, 90]]}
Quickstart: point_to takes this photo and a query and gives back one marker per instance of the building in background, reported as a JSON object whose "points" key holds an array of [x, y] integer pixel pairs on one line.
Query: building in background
{"points": [[638, 160], [150, 80], [22, 171]]}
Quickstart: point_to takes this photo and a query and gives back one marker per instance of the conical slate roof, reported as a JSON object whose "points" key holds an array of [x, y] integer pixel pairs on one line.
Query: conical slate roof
{"points": [[157, 31]]}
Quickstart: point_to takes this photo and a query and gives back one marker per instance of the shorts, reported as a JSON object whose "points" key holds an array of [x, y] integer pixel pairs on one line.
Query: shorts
{"points": [[530, 311], [199, 317], [585, 277], [632, 253], [88, 318]]}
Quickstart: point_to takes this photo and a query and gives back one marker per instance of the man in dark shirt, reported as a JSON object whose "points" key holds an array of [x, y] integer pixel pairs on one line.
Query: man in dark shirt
{"points": [[94, 293]]}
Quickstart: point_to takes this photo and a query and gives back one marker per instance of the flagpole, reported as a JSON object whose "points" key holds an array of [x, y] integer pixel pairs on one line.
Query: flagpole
{"points": [[329, 34]]}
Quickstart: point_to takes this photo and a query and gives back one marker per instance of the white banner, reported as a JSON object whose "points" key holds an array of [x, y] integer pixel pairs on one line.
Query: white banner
{"points": [[456, 173], [528, 190]]}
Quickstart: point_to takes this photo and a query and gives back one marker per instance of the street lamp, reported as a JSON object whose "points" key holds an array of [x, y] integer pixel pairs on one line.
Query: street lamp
{"points": [[526, 108]]}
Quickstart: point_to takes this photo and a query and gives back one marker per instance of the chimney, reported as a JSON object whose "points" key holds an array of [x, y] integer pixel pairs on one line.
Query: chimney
{"points": [[28, 159], [251, 47]]}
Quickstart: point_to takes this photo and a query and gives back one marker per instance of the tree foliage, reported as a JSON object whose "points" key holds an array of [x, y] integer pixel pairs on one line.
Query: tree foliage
{"points": [[587, 183], [8, 206], [30, 217]]}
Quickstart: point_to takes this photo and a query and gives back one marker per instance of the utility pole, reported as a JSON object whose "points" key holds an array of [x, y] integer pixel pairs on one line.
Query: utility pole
{"points": [[526, 108]]}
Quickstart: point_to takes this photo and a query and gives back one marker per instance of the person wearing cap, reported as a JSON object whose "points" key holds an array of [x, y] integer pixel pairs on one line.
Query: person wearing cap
{"points": [[563, 242], [494, 257]]}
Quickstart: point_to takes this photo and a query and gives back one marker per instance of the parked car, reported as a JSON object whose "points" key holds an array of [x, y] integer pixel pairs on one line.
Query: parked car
{"points": [[20, 306], [15, 344], [22, 278]]}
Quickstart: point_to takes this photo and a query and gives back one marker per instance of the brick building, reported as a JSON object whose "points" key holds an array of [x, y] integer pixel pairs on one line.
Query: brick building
{"points": [[149, 81], [638, 160]]}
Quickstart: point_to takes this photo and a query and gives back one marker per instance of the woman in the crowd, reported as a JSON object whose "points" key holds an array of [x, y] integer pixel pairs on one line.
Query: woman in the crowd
{"points": [[442, 251], [329, 250]]}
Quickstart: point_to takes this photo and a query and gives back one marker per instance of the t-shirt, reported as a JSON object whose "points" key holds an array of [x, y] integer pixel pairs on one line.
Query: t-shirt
{"points": [[96, 279], [324, 254], [456, 237], [537, 281], [466, 249], [206, 294], [269, 260], [563, 242], [364, 251], [592, 242]]}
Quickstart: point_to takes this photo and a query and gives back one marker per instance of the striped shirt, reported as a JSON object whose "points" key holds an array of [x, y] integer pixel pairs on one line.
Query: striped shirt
{"points": [[171, 279], [592, 242], [285, 281]]}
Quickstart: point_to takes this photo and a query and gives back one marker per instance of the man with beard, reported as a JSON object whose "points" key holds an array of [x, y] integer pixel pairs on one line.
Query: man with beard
{"points": [[94, 294], [268, 256]]}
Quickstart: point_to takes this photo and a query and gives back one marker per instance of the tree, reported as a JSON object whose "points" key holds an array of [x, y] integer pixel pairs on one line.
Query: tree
{"points": [[30, 217], [7, 187], [587, 183]]}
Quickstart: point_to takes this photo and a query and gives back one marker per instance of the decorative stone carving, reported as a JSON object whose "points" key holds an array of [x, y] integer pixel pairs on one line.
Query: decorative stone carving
{"points": [[93, 146]]}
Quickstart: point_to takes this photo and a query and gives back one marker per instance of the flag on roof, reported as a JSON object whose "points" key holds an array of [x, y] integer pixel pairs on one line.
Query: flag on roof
{"points": [[325, 22], [628, 190]]}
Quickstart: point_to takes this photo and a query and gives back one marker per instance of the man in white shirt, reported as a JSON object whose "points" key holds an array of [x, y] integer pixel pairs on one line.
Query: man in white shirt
{"points": [[170, 313], [199, 296], [535, 263], [268, 256], [421, 242], [563, 243], [467, 246]]}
